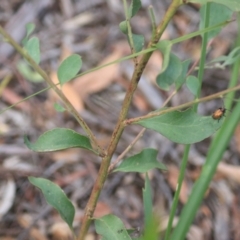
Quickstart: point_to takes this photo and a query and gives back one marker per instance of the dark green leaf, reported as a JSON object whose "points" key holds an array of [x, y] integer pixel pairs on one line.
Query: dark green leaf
{"points": [[193, 84], [218, 14], [234, 5], [171, 74], [69, 68], [141, 162], [59, 108], [181, 79], [134, 7], [111, 227], [55, 196], [138, 41], [59, 139], [33, 49], [183, 127]]}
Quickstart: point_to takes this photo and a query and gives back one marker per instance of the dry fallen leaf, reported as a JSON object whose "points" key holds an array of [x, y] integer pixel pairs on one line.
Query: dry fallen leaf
{"points": [[229, 171], [102, 78]]}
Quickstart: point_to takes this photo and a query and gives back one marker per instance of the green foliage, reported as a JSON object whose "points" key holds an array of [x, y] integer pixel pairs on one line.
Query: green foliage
{"points": [[193, 84], [171, 73], [218, 13], [28, 73], [59, 108], [55, 196], [111, 227], [29, 29], [69, 68], [165, 47], [185, 127], [147, 201], [138, 40], [59, 139], [234, 5], [141, 162], [231, 58], [183, 75], [33, 49]]}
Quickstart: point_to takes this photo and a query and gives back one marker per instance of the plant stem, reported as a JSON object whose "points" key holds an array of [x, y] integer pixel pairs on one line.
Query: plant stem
{"points": [[69, 106], [103, 171], [182, 106], [187, 147]]}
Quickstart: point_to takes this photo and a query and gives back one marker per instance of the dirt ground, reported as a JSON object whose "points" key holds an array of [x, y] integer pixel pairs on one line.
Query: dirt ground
{"points": [[90, 29]]}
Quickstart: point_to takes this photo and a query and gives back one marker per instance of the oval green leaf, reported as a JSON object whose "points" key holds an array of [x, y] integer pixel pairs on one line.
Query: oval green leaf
{"points": [[69, 68], [59, 108], [185, 127], [55, 196], [193, 84], [59, 139], [234, 5], [141, 162], [111, 227], [218, 13], [138, 42], [33, 49], [134, 7], [171, 74]]}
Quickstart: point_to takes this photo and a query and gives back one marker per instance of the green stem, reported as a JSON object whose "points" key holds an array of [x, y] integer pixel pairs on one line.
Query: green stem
{"points": [[129, 29], [102, 175], [187, 147], [176, 195]]}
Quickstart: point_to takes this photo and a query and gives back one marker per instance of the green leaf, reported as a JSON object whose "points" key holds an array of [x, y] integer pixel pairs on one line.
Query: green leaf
{"points": [[123, 27], [141, 162], [59, 108], [111, 228], [165, 47], [55, 196], [185, 127], [147, 201], [134, 7], [69, 68], [181, 79], [232, 57], [29, 28], [218, 14], [59, 139], [193, 84], [234, 5], [171, 74], [28, 73], [33, 49], [138, 41]]}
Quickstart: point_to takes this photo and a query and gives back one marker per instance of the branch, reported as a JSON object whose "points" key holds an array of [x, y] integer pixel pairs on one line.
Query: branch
{"points": [[69, 106]]}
